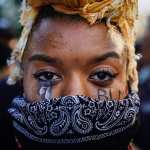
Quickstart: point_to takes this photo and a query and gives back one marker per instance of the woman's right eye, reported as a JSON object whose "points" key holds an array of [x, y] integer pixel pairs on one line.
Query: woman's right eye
{"points": [[47, 76]]}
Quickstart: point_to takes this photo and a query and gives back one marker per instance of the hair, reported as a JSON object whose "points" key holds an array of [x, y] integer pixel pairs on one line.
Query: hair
{"points": [[48, 12]]}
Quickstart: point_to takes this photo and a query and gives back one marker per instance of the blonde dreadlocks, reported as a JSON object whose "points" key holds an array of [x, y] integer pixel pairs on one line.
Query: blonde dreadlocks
{"points": [[119, 14]]}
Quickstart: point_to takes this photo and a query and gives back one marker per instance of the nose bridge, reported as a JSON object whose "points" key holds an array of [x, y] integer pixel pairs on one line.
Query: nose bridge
{"points": [[74, 85]]}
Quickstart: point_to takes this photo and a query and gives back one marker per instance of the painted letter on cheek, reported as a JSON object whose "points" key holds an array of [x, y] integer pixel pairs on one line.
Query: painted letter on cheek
{"points": [[104, 94], [45, 91]]}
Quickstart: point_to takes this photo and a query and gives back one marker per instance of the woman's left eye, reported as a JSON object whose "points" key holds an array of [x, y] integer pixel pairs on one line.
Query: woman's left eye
{"points": [[103, 76]]}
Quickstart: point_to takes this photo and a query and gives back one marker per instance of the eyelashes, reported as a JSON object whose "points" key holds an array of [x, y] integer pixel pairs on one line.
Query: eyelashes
{"points": [[47, 76], [102, 76]]}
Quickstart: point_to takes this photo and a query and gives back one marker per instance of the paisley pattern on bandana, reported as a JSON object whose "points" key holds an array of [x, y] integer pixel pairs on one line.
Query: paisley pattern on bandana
{"points": [[73, 119]]}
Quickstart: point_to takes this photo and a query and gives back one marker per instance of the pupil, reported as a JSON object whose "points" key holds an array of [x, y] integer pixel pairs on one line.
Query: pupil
{"points": [[101, 75], [49, 76]]}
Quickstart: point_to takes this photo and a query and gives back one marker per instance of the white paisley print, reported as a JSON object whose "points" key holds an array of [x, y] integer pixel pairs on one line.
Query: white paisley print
{"points": [[73, 119]]}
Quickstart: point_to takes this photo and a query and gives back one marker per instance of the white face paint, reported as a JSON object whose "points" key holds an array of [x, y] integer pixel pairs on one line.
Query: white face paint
{"points": [[104, 94], [42, 91], [48, 93], [45, 92]]}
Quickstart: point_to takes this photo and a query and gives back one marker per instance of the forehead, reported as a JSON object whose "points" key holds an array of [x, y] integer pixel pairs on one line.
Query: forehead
{"points": [[65, 36]]}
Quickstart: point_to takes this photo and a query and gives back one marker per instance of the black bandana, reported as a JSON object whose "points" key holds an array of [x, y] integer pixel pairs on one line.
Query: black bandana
{"points": [[73, 119]]}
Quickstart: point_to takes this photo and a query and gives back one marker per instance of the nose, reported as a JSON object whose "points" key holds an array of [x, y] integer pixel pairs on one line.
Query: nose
{"points": [[74, 85]]}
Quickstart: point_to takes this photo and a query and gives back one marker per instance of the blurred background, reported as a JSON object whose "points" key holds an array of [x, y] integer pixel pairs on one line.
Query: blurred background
{"points": [[10, 30]]}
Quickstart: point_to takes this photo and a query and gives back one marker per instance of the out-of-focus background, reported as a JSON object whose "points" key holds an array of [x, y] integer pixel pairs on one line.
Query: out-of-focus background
{"points": [[10, 30]]}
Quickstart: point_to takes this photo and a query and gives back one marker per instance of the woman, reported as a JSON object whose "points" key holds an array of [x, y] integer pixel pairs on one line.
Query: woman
{"points": [[77, 64]]}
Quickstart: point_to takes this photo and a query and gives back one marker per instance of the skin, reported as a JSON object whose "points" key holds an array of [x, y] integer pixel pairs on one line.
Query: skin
{"points": [[73, 58]]}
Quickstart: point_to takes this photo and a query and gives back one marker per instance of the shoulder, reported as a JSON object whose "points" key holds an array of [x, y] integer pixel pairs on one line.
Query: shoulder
{"points": [[7, 93]]}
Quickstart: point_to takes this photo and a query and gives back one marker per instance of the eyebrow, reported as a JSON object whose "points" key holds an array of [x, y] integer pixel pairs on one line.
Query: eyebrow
{"points": [[45, 58], [104, 57], [51, 60]]}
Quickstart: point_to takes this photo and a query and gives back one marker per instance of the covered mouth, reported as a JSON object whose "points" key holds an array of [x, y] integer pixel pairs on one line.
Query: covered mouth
{"points": [[73, 119]]}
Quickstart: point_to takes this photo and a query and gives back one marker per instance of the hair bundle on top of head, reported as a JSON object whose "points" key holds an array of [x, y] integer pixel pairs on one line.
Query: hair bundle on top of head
{"points": [[119, 14]]}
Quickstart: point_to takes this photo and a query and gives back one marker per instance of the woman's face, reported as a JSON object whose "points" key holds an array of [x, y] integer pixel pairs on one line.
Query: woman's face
{"points": [[66, 57]]}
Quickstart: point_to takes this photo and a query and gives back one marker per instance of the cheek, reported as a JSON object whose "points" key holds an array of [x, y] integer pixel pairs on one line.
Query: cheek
{"points": [[117, 90], [111, 93], [119, 87], [33, 89], [120, 84]]}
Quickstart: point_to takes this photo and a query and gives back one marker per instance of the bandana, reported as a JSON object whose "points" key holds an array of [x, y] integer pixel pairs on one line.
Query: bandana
{"points": [[74, 119]]}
